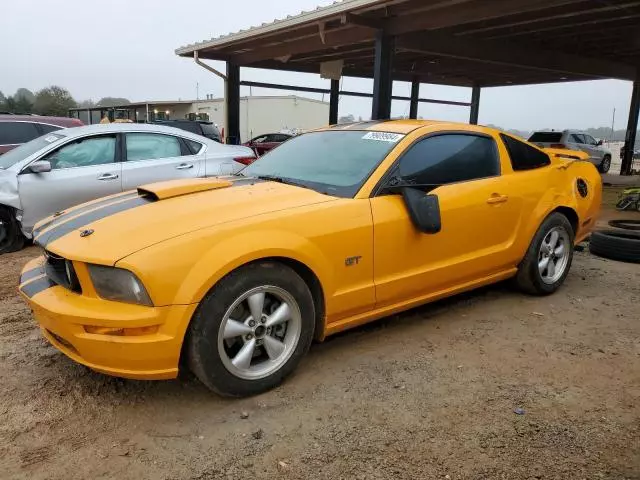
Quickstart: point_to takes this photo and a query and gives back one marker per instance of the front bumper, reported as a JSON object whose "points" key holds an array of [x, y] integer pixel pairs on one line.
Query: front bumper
{"points": [[64, 315]]}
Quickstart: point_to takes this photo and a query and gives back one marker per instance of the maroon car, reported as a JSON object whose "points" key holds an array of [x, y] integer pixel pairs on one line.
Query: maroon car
{"points": [[263, 143], [18, 129]]}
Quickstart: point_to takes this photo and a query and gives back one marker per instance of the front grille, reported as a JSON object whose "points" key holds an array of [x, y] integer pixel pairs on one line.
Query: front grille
{"points": [[61, 271]]}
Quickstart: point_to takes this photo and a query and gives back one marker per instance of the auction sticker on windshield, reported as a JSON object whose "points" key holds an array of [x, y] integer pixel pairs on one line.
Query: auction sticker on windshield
{"points": [[383, 137]]}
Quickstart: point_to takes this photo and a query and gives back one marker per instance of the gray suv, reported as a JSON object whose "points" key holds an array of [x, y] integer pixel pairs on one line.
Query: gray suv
{"points": [[575, 140]]}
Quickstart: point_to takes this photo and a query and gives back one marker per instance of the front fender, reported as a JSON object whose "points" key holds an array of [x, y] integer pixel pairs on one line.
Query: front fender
{"points": [[9, 195], [182, 270]]}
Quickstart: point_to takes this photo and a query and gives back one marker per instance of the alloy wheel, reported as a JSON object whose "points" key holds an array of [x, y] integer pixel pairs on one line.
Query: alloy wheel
{"points": [[553, 256], [259, 332]]}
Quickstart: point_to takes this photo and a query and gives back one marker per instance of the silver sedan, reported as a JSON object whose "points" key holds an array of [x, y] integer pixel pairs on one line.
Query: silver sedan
{"points": [[75, 165]]}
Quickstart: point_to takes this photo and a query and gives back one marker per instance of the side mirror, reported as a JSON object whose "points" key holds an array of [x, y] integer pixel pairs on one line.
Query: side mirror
{"points": [[41, 166], [424, 210], [598, 143]]}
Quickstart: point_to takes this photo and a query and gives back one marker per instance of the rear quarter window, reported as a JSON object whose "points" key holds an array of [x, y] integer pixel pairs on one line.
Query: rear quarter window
{"points": [[523, 156]]}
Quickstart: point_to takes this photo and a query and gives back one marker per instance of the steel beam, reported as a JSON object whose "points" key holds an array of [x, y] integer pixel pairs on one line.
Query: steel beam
{"points": [[415, 98], [232, 104], [382, 78], [475, 105], [334, 100], [632, 127]]}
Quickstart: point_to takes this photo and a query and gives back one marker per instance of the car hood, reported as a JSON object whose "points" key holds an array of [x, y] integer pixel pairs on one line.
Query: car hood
{"points": [[109, 229]]}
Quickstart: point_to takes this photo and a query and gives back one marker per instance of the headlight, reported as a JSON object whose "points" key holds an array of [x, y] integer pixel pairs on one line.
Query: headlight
{"points": [[119, 285]]}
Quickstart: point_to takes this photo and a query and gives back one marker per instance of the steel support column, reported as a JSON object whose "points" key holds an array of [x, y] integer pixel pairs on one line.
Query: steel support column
{"points": [[334, 101], [415, 98], [232, 104], [382, 78], [475, 105], [632, 127]]}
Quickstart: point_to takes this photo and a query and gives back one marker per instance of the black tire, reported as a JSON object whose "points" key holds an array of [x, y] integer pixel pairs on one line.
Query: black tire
{"points": [[626, 224], [605, 165], [202, 350], [528, 279], [616, 245], [11, 238]]}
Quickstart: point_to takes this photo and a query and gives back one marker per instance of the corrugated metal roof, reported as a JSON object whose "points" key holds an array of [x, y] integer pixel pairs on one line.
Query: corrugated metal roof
{"points": [[320, 13]]}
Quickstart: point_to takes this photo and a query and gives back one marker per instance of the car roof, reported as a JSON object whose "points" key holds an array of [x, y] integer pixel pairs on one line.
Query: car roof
{"points": [[59, 121], [404, 126], [129, 127]]}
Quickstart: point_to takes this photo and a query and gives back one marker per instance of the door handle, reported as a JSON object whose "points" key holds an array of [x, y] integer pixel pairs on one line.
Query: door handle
{"points": [[496, 198], [184, 166], [108, 176]]}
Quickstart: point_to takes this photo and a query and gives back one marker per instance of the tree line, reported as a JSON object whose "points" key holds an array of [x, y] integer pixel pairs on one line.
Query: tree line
{"points": [[53, 100]]}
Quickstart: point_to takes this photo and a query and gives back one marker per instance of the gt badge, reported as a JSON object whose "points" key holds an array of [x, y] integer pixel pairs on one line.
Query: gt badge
{"points": [[351, 261]]}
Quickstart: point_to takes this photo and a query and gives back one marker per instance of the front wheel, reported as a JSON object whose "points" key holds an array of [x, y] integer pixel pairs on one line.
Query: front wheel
{"points": [[548, 259], [605, 165], [11, 238], [251, 330]]}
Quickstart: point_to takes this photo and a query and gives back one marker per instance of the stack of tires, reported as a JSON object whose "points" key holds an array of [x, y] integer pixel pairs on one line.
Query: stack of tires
{"points": [[621, 243]]}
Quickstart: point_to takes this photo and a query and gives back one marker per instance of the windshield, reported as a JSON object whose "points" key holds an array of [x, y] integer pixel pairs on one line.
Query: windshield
{"points": [[546, 137], [334, 162], [23, 151]]}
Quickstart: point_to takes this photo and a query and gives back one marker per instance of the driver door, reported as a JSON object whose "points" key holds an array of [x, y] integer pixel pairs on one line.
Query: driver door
{"points": [[477, 216], [82, 170]]}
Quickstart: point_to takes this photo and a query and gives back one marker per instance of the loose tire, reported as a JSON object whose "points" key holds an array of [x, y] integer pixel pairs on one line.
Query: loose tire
{"points": [[616, 245], [549, 257], [11, 238], [235, 353], [605, 165], [626, 224]]}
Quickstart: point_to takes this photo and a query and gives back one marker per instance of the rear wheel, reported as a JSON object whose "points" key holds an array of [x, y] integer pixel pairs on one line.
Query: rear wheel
{"points": [[548, 258], [251, 330], [11, 238], [605, 165]]}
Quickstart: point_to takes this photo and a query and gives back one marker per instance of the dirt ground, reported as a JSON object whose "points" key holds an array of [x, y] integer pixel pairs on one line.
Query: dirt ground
{"points": [[427, 394]]}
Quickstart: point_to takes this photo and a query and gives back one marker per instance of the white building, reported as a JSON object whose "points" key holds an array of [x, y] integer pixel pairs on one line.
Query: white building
{"points": [[258, 114]]}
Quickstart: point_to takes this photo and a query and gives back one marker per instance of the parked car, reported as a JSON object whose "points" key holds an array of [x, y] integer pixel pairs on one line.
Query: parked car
{"points": [[235, 277], [575, 140], [267, 142], [18, 129], [67, 167], [199, 127]]}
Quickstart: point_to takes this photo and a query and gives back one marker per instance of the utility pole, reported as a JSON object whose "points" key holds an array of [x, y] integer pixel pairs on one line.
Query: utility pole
{"points": [[613, 121], [197, 91]]}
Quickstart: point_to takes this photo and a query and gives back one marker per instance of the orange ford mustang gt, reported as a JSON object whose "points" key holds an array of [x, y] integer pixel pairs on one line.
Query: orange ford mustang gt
{"points": [[234, 277]]}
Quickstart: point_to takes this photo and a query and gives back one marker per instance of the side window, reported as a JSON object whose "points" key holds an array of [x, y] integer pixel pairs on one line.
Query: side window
{"points": [[148, 146], [523, 156], [589, 140], [194, 147], [85, 152], [13, 133], [576, 138], [450, 158], [45, 128]]}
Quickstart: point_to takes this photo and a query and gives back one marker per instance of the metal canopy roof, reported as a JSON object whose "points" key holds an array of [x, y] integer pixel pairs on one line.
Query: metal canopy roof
{"points": [[454, 42]]}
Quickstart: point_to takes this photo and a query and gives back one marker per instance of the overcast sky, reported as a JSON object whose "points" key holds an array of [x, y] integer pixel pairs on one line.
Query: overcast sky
{"points": [[125, 48]]}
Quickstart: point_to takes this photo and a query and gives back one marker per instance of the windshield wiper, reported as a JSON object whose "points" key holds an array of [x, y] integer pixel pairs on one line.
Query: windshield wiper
{"points": [[286, 181]]}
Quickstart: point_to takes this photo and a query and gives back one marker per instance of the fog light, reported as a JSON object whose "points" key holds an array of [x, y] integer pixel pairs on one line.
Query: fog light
{"points": [[121, 332]]}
